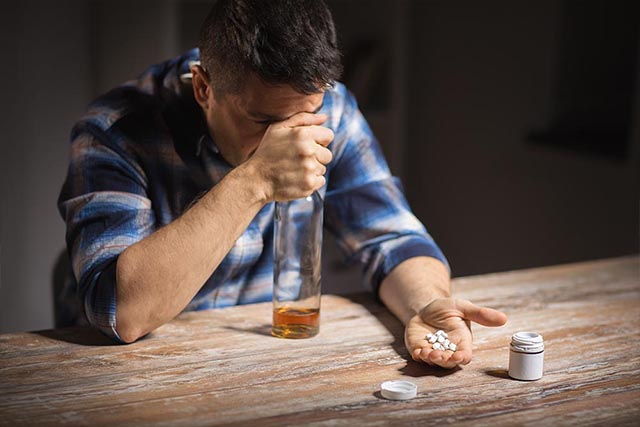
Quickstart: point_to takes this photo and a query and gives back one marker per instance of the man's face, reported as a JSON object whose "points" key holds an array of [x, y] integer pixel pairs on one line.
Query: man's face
{"points": [[238, 121]]}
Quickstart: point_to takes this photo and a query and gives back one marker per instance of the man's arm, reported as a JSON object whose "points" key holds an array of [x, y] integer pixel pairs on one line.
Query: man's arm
{"points": [[158, 276], [368, 213], [412, 285], [417, 292]]}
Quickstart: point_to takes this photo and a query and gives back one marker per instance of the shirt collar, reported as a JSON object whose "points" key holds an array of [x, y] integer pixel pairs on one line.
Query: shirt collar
{"points": [[206, 140]]}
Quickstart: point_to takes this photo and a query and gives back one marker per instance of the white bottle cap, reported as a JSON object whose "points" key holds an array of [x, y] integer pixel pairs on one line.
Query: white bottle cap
{"points": [[398, 390], [527, 342]]}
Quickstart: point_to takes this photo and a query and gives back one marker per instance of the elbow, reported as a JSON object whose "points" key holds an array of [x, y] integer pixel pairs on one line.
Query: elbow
{"points": [[128, 322], [110, 305], [128, 334]]}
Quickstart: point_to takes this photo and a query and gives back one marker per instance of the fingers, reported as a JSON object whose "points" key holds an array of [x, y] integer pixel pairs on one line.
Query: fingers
{"points": [[323, 155], [308, 125], [464, 350], [298, 145], [320, 181], [304, 187], [304, 119], [321, 135], [312, 142], [448, 359], [422, 350], [317, 134], [482, 315], [443, 358], [454, 317]]}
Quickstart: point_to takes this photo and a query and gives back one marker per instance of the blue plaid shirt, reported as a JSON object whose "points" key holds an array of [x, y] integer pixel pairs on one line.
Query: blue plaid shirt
{"points": [[142, 154]]}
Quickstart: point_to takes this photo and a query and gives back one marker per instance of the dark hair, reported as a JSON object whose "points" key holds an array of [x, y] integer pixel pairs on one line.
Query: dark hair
{"points": [[290, 42]]}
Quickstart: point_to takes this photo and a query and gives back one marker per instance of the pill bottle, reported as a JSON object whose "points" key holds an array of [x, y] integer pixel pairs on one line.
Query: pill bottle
{"points": [[526, 356]]}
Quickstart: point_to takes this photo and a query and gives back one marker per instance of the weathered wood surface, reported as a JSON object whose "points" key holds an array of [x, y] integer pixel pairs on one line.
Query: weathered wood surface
{"points": [[221, 367]]}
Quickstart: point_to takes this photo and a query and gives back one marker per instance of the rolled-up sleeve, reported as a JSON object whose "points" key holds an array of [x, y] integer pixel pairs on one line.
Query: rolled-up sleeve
{"points": [[365, 207], [105, 207]]}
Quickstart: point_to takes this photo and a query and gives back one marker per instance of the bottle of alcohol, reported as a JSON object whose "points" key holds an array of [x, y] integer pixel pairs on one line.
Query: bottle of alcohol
{"points": [[297, 268]]}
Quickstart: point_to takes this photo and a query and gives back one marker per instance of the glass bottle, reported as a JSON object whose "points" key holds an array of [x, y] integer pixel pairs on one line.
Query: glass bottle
{"points": [[297, 267]]}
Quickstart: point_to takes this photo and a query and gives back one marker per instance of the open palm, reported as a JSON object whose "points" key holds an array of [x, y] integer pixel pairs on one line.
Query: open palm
{"points": [[452, 316]]}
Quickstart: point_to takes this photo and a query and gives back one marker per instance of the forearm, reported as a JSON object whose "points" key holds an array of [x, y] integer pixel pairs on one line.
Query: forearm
{"points": [[158, 276], [413, 284]]}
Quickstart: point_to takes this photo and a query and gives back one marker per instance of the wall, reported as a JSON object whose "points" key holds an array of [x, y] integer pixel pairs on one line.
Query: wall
{"points": [[128, 36], [476, 78], [483, 78], [58, 56], [46, 86]]}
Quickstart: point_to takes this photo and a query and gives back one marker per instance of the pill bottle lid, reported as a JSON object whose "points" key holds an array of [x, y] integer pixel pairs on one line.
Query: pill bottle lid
{"points": [[398, 390], [527, 342]]}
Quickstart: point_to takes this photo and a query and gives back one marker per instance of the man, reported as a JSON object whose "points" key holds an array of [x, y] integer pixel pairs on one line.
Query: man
{"points": [[170, 191]]}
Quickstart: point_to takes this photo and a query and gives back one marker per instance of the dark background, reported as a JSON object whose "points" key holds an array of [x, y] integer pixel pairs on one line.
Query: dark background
{"points": [[514, 126]]}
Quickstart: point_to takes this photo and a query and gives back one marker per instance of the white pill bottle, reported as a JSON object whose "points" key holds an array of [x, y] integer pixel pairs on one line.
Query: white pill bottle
{"points": [[526, 356]]}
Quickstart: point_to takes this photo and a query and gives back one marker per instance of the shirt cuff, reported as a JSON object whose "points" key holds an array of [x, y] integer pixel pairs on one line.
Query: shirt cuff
{"points": [[412, 246], [100, 302]]}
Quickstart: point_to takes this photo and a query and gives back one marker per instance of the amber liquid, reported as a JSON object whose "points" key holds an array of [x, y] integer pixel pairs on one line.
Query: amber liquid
{"points": [[291, 322]]}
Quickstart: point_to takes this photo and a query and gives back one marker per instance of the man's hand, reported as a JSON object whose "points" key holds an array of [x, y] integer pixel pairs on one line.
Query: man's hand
{"points": [[292, 157], [454, 317]]}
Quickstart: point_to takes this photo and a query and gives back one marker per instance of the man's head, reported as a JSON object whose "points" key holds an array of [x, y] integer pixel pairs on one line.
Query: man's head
{"points": [[262, 61], [289, 42]]}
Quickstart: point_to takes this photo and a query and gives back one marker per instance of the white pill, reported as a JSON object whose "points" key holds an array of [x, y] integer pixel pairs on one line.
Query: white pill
{"points": [[441, 339], [452, 346], [438, 346], [445, 343], [428, 336], [440, 332], [433, 339]]}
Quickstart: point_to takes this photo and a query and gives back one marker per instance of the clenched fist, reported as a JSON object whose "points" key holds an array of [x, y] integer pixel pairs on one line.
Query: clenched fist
{"points": [[292, 157]]}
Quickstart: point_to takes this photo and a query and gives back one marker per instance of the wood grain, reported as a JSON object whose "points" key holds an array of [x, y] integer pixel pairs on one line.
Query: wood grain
{"points": [[222, 367]]}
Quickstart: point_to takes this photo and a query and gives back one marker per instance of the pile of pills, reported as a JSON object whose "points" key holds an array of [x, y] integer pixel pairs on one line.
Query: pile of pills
{"points": [[440, 341]]}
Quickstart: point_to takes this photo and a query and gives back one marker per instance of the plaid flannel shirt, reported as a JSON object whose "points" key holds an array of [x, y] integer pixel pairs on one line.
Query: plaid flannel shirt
{"points": [[142, 154]]}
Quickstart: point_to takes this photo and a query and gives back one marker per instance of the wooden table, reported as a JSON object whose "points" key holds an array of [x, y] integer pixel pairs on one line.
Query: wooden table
{"points": [[221, 367]]}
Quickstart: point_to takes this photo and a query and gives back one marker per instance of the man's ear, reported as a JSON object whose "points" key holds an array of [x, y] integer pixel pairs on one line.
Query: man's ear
{"points": [[201, 86]]}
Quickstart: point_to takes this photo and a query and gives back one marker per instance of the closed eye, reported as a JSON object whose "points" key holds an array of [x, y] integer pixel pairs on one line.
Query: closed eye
{"points": [[271, 120], [264, 122]]}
